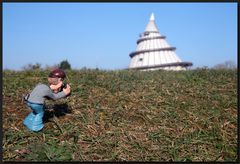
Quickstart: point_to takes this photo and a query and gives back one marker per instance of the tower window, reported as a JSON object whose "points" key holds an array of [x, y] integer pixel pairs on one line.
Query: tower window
{"points": [[140, 59], [146, 33]]}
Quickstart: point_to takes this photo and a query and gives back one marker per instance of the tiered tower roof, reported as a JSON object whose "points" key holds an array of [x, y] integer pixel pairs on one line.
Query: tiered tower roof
{"points": [[153, 52]]}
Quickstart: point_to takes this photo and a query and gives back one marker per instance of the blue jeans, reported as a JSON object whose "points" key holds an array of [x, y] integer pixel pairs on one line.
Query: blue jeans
{"points": [[34, 120]]}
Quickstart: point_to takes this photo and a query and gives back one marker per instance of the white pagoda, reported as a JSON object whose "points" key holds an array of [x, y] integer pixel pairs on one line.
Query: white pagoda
{"points": [[154, 53]]}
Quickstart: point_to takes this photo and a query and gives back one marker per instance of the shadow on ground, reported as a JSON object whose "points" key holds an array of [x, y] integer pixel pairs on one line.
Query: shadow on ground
{"points": [[58, 110]]}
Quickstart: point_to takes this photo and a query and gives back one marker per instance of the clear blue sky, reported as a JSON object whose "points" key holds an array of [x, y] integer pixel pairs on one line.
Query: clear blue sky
{"points": [[103, 34]]}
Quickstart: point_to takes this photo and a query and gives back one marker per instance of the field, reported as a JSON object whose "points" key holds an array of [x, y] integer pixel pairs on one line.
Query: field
{"points": [[126, 116]]}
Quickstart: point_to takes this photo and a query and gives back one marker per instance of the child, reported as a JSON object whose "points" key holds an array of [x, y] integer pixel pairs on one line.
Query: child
{"points": [[35, 100]]}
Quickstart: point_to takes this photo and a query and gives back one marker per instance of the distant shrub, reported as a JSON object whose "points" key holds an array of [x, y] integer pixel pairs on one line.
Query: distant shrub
{"points": [[65, 65], [226, 65], [36, 66], [51, 67]]}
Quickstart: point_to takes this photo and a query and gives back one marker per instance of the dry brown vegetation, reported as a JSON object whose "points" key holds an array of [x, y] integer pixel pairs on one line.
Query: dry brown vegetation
{"points": [[126, 116]]}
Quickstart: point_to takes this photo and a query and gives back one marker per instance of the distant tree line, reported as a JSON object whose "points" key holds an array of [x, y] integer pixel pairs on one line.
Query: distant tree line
{"points": [[226, 65], [65, 65]]}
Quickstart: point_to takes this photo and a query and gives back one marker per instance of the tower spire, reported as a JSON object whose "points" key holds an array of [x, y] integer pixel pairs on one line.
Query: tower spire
{"points": [[151, 26], [152, 17]]}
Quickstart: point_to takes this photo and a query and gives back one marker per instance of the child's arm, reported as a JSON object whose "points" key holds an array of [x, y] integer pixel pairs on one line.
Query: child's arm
{"points": [[55, 96], [66, 91]]}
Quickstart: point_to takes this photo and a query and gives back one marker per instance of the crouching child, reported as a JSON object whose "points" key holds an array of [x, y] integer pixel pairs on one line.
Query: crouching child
{"points": [[55, 89]]}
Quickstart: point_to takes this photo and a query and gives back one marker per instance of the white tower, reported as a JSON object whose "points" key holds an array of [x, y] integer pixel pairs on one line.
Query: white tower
{"points": [[153, 52]]}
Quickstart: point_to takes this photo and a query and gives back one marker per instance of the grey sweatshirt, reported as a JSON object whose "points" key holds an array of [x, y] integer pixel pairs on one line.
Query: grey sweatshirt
{"points": [[42, 91]]}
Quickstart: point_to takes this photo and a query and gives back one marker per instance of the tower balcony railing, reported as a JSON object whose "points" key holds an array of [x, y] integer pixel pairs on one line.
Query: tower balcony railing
{"points": [[152, 50], [150, 38]]}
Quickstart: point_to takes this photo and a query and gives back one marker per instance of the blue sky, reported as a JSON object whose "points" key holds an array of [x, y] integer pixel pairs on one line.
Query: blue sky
{"points": [[103, 34]]}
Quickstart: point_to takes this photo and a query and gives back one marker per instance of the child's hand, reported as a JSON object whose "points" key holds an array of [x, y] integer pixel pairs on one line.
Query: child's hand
{"points": [[56, 87], [59, 85], [67, 90]]}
